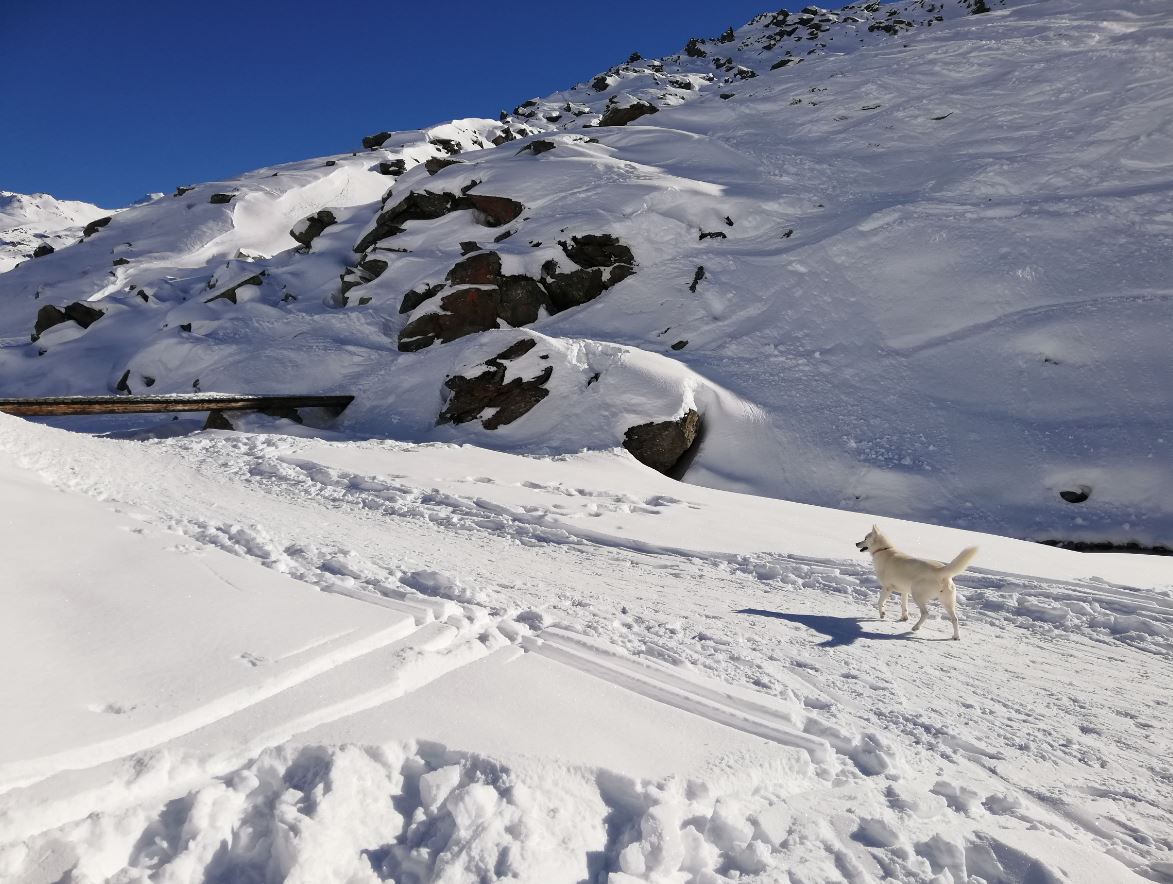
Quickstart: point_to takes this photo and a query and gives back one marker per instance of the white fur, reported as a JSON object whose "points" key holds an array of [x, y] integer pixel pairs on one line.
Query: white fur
{"points": [[923, 579]]}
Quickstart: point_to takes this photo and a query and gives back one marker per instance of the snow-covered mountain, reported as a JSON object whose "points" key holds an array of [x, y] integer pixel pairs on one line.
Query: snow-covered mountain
{"points": [[920, 269], [36, 224], [896, 258]]}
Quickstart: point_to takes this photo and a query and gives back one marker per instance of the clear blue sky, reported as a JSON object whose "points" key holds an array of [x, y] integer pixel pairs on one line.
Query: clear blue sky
{"points": [[105, 102]]}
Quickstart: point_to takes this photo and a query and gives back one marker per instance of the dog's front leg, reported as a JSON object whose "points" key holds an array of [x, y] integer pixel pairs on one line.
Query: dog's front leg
{"points": [[903, 606], [884, 593]]}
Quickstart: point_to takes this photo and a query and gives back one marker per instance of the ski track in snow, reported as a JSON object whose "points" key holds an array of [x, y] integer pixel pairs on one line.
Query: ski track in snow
{"points": [[782, 647]]}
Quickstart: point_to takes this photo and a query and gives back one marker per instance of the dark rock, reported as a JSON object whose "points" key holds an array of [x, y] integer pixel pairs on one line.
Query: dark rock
{"points": [[185, 326], [219, 199], [1076, 495], [621, 116], [435, 164], [693, 49], [123, 385], [597, 250], [501, 237], [712, 234], [483, 268], [83, 314], [120, 262], [370, 142], [310, 228], [143, 296], [413, 298], [728, 221], [726, 37], [217, 421], [447, 145], [696, 279], [662, 445], [490, 211], [47, 317], [680, 83], [787, 233], [229, 294], [331, 162], [633, 58], [95, 225], [539, 146], [783, 62], [571, 289], [468, 247], [182, 189], [391, 167], [522, 299], [466, 189], [466, 312], [42, 250], [504, 136], [680, 345], [493, 211], [472, 396], [601, 83], [725, 96]]}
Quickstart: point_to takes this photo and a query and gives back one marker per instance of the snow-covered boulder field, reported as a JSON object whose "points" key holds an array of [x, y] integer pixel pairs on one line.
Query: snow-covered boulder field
{"points": [[915, 258]]}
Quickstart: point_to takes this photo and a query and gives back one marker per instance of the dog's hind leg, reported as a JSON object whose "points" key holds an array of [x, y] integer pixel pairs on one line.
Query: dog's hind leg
{"points": [[903, 606], [884, 593], [924, 612], [949, 600]]}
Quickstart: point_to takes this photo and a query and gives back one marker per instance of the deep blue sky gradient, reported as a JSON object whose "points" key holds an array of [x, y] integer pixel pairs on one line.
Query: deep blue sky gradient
{"points": [[105, 102]]}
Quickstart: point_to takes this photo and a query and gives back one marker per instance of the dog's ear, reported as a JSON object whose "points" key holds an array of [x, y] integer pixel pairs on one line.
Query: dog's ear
{"points": [[875, 528]]}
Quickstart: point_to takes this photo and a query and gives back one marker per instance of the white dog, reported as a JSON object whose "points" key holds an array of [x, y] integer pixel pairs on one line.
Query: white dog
{"points": [[925, 579]]}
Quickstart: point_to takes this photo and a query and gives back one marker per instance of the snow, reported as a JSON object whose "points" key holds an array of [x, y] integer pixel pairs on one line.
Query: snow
{"points": [[546, 668], [374, 648], [31, 220]]}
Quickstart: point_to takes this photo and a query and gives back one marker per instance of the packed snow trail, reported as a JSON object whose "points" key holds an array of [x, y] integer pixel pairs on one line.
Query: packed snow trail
{"points": [[589, 639]]}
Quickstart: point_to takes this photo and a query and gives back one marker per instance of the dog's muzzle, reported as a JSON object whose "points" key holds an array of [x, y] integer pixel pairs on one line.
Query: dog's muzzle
{"points": [[861, 546]]}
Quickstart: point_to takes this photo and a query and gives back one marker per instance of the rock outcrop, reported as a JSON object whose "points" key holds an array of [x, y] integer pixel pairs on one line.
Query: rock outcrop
{"points": [[616, 115], [662, 445], [490, 211], [309, 229], [477, 296], [470, 397], [80, 312]]}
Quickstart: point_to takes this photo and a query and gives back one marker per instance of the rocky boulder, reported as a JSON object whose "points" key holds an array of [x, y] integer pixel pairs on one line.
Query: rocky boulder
{"points": [[490, 211], [308, 229], [42, 250], [79, 311], [621, 116], [96, 225], [664, 444], [370, 142], [471, 397]]}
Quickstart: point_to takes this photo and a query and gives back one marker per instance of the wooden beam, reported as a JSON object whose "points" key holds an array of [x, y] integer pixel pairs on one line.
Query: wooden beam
{"points": [[66, 405]]}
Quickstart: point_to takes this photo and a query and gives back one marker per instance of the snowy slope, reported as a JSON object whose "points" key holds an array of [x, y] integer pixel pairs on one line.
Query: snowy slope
{"points": [[935, 269], [29, 221], [544, 669]]}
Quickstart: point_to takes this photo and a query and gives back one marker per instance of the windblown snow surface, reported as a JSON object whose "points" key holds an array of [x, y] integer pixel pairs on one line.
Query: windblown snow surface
{"points": [[389, 651]]}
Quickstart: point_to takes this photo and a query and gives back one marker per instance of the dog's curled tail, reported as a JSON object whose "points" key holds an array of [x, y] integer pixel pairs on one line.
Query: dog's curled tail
{"points": [[960, 563]]}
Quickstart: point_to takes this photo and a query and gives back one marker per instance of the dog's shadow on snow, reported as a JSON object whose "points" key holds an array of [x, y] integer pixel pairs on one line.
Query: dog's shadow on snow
{"points": [[838, 630]]}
